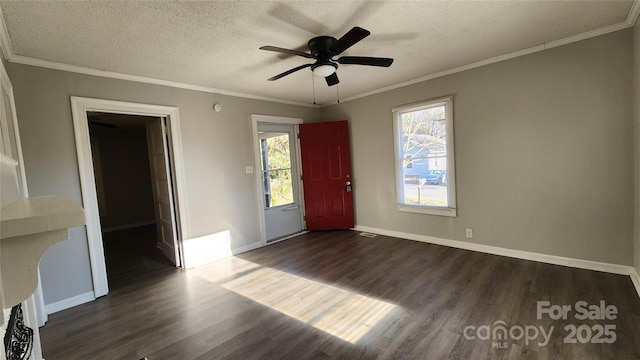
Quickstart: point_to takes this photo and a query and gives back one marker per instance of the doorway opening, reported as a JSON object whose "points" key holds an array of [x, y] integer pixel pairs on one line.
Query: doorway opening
{"points": [[131, 227], [167, 160], [279, 173], [280, 201]]}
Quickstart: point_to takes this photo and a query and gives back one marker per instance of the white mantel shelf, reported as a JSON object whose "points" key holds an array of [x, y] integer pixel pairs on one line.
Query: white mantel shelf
{"points": [[28, 227]]}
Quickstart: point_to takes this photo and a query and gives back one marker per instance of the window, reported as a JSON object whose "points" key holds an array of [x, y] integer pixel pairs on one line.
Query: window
{"points": [[276, 168], [425, 169]]}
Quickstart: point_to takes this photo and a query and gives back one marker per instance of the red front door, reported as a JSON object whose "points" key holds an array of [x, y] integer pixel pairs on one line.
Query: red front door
{"points": [[326, 175]]}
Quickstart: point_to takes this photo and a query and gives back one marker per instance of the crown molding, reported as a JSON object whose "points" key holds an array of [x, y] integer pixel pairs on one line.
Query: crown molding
{"points": [[10, 56], [458, 69], [629, 22], [587, 35], [5, 42], [18, 59], [7, 51], [632, 16]]}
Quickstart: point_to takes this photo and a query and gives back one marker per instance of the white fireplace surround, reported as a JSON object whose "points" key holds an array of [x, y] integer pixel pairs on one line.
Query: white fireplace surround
{"points": [[28, 227]]}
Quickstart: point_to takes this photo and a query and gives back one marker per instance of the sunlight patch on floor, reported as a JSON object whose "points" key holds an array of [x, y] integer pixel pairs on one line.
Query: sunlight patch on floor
{"points": [[224, 270], [344, 314]]}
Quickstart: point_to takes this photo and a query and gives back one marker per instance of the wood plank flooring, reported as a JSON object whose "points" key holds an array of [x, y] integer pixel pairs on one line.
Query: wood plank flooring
{"points": [[338, 295]]}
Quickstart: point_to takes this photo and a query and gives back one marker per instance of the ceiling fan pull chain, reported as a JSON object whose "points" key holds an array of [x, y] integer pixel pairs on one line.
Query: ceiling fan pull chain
{"points": [[338, 93], [313, 86]]}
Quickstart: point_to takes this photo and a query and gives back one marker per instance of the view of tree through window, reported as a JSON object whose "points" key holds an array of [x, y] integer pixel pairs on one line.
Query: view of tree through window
{"points": [[276, 169], [422, 137], [423, 141]]}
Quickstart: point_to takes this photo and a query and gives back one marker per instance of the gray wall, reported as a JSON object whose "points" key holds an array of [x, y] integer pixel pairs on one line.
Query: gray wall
{"points": [[544, 152], [636, 61], [216, 147], [544, 147]]}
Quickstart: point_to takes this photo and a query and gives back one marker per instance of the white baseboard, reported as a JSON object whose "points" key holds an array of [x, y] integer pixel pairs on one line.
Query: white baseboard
{"points": [[635, 278], [259, 244], [209, 248], [246, 248], [518, 254], [128, 226], [213, 247], [287, 237], [69, 303]]}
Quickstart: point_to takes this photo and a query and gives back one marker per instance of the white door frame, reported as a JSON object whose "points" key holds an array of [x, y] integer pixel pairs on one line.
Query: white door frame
{"points": [[79, 108], [255, 119]]}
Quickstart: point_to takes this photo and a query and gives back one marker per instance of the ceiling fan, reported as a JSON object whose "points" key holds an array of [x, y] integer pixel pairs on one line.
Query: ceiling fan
{"points": [[324, 48]]}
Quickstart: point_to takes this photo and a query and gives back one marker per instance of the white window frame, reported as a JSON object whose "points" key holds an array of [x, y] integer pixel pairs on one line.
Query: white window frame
{"points": [[451, 209]]}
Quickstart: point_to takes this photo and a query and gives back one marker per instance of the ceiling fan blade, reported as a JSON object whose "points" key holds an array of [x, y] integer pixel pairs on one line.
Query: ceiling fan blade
{"points": [[332, 79], [289, 72], [286, 51], [349, 39], [365, 60]]}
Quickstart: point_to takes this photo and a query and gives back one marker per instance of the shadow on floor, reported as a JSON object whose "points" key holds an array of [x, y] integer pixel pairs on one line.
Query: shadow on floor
{"points": [[132, 254]]}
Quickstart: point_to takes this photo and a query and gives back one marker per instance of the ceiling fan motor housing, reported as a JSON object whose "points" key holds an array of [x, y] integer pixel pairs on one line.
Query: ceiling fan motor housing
{"points": [[319, 47]]}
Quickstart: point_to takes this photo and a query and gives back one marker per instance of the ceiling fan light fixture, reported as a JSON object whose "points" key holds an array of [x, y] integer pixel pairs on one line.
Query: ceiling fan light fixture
{"points": [[324, 70], [323, 49]]}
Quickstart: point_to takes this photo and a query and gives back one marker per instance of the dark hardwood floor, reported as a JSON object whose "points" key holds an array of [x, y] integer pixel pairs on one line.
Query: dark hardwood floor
{"points": [[132, 254], [338, 295]]}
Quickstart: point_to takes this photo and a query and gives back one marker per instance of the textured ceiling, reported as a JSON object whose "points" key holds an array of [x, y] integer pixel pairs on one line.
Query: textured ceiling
{"points": [[215, 44]]}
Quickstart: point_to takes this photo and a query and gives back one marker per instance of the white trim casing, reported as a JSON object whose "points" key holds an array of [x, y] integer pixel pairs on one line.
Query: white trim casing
{"points": [[517, 254], [31, 320], [255, 119], [633, 14], [38, 299], [397, 111], [5, 41], [79, 108], [8, 87], [635, 278]]}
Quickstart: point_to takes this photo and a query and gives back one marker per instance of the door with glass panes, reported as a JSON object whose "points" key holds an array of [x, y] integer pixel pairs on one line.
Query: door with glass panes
{"points": [[280, 186]]}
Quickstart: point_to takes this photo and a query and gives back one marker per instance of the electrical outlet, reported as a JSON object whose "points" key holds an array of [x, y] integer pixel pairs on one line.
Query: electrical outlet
{"points": [[248, 169], [469, 233]]}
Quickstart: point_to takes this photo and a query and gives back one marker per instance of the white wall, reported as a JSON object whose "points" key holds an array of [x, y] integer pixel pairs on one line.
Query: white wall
{"points": [[544, 150], [216, 148]]}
